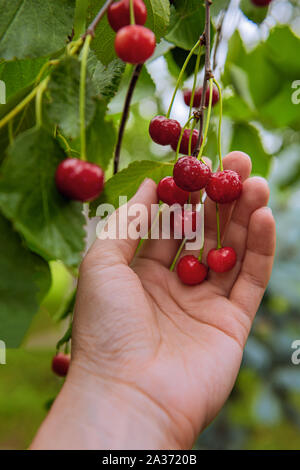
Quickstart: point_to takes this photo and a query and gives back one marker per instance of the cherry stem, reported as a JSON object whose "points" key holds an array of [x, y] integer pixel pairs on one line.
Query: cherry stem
{"points": [[85, 53], [17, 109], [220, 124], [181, 135], [135, 76], [207, 119], [218, 226], [205, 39], [132, 17], [91, 28], [201, 254], [195, 81], [177, 255], [180, 77], [38, 103], [191, 137]]}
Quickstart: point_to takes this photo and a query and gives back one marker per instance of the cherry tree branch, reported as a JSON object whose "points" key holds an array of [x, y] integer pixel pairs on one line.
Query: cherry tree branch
{"points": [[91, 28], [135, 76], [205, 40]]}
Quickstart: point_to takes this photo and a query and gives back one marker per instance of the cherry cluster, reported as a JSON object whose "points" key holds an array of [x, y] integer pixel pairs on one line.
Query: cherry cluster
{"points": [[187, 96], [134, 43], [166, 131], [189, 176], [223, 187]]}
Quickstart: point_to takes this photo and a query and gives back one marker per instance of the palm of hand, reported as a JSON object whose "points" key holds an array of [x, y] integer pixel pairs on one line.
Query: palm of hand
{"points": [[180, 346]]}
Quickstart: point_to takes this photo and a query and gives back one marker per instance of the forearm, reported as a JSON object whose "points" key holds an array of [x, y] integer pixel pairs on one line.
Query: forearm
{"points": [[91, 413]]}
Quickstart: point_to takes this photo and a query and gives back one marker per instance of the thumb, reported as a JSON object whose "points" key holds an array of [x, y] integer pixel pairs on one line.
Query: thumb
{"points": [[118, 241]]}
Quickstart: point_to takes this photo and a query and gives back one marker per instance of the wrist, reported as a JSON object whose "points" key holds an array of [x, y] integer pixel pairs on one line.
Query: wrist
{"points": [[93, 412]]}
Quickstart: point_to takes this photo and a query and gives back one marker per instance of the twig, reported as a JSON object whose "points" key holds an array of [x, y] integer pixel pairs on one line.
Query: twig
{"points": [[207, 72], [135, 76], [91, 28]]}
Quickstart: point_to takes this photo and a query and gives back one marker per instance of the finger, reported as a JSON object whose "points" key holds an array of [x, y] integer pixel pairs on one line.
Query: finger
{"points": [[241, 163], [120, 246], [256, 269], [255, 195], [162, 250]]}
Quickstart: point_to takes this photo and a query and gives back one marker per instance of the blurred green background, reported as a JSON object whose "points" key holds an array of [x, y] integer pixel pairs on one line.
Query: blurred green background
{"points": [[263, 411]]}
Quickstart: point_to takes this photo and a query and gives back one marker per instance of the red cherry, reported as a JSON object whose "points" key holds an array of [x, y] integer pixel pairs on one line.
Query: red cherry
{"points": [[184, 145], [215, 96], [168, 192], [261, 3], [187, 95], [224, 186], [134, 44], [184, 223], [164, 131], [118, 14], [190, 174], [79, 180], [221, 260], [190, 271], [60, 364]]}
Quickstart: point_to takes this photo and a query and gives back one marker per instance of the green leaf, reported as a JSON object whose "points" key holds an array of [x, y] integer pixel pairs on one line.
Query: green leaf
{"points": [[158, 16], [103, 43], [62, 105], [80, 17], [106, 79], [186, 23], [51, 225], [263, 79], [281, 111], [24, 280], [19, 74], [127, 181], [237, 109], [101, 138], [247, 139], [219, 5], [34, 28], [283, 57], [24, 120], [253, 13]]}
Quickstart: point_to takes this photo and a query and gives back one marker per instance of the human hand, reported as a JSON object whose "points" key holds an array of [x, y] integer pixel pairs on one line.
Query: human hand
{"points": [[155, 357]]}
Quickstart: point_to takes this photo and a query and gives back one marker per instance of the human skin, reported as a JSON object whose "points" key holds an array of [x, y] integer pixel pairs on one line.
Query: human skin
{"points": [[153, 360]]}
